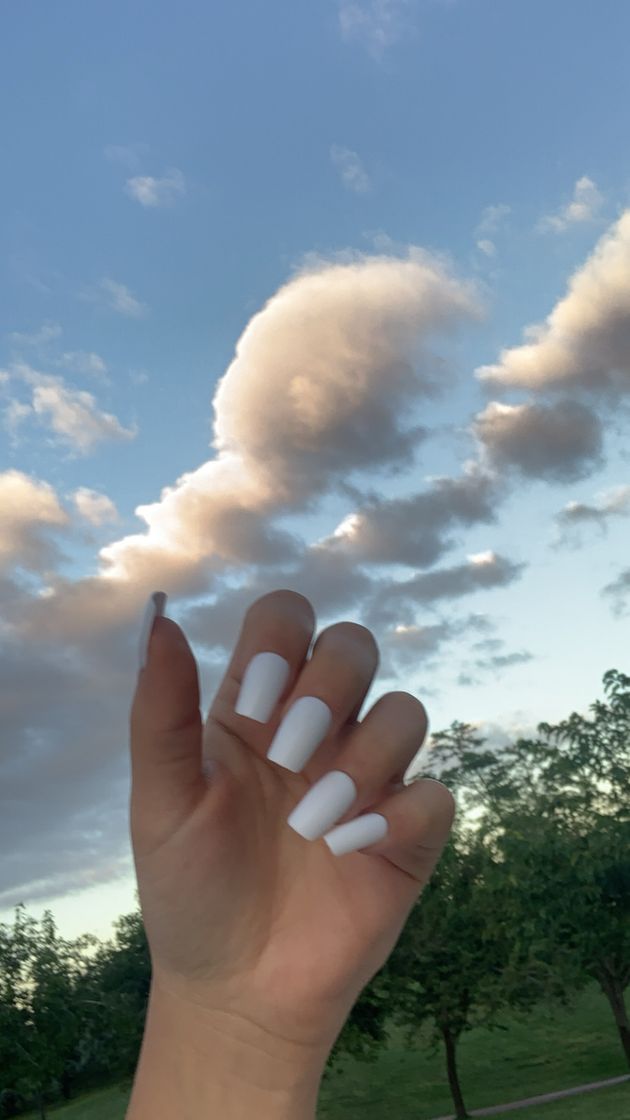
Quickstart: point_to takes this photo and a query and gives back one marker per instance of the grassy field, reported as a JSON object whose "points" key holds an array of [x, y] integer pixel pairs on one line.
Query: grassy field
{"points": [[549, 1050]]}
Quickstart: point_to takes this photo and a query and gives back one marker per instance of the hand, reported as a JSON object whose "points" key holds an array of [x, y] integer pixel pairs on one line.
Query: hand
{"points": [[269, 935]]}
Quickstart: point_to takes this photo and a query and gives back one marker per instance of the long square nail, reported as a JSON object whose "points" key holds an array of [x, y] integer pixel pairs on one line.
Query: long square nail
{"points": [[303, 728], [262, 686], [326, 801]]}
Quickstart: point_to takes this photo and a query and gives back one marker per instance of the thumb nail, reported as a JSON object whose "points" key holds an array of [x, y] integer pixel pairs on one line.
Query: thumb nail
{"points": [[155, 607]]}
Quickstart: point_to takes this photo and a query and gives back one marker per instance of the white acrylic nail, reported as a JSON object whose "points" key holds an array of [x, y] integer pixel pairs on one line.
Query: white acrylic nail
{"points": [[155, 607], [262, 686], [356, 834], [300, 733], [326, 801]]}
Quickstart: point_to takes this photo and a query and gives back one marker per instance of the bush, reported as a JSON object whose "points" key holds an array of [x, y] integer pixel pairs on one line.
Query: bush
{"points": [[11, 1103]]}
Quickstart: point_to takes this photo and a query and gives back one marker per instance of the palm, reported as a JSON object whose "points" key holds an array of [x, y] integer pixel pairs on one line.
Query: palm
{"points": [[234, 892]]}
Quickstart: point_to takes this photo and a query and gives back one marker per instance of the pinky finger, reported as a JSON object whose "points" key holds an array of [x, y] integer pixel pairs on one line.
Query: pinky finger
{"points": [[409, 828]]}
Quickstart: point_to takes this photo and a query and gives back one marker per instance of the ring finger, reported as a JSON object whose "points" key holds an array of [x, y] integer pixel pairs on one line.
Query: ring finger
{"points": [[372, 761]]}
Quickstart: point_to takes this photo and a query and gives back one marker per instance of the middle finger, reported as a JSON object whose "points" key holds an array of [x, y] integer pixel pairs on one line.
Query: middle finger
{"points": [[327, 695]]}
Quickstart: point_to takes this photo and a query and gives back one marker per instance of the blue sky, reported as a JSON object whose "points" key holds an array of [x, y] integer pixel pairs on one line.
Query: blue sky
{"points": [[167, 170]]}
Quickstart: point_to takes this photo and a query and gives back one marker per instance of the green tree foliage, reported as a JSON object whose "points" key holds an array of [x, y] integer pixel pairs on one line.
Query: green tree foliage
{"points": [[448, 969], [40, 1024]]}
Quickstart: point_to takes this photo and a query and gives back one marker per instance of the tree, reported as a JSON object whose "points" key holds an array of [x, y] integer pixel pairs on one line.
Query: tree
{"points": [[448, 965], [113, 993], [556, 814], [38, 971], [583, 778]]}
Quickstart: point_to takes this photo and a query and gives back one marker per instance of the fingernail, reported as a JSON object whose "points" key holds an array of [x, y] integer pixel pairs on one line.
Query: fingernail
{"points": [[326, 801], [155, 607], [357, 834], [300, 733], [262, 685]]}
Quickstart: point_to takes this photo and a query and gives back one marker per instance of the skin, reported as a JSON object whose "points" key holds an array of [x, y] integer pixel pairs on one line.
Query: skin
{"points": [[261, 941]]}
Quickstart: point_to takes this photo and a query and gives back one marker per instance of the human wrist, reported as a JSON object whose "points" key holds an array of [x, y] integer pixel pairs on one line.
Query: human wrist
{"points": [[200, 1064]]}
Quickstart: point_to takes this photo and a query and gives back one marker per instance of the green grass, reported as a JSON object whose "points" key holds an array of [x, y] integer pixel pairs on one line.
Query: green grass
{"points": [[548, 1050], [102, 1104], [604, 1104]]}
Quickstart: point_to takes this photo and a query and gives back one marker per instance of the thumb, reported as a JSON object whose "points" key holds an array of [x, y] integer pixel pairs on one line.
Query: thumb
{"points": [[165, 725]]}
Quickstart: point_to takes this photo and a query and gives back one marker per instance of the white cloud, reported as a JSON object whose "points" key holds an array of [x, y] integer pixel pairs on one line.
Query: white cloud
{"points": [[117, 297], [94, 507], [320, 386], [152, 192], [82, 361], [583, 207], [72, 414], [352, 172], [15, 413], [48, 332], [492, 219], [585, 340], [29, 509], [374, 24]]}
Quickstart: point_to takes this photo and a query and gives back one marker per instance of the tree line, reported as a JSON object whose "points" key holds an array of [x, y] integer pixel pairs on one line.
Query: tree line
{"points": [[530, 903]]}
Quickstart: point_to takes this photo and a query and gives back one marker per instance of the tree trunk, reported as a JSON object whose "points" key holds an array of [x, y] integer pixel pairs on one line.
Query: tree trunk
{"points": [[613, 991], [453, 1078], [40, 1105], [66, 1084]]}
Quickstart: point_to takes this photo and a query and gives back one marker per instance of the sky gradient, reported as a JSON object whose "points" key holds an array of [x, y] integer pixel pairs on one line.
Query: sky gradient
{"points": [[326, 296]]}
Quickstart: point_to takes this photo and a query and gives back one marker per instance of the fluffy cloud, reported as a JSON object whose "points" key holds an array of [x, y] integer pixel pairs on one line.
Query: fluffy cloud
{"points": [[48, 332], [411, 530], [15, 413], [323, 374], [560, 442], [84, 362], [94, 507], [319, 383], [406, 645], [152, 192], [352, 172], [63, 824], [585, 341], [482, 571], [29, 511], [72, 414], [583, 207]]}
